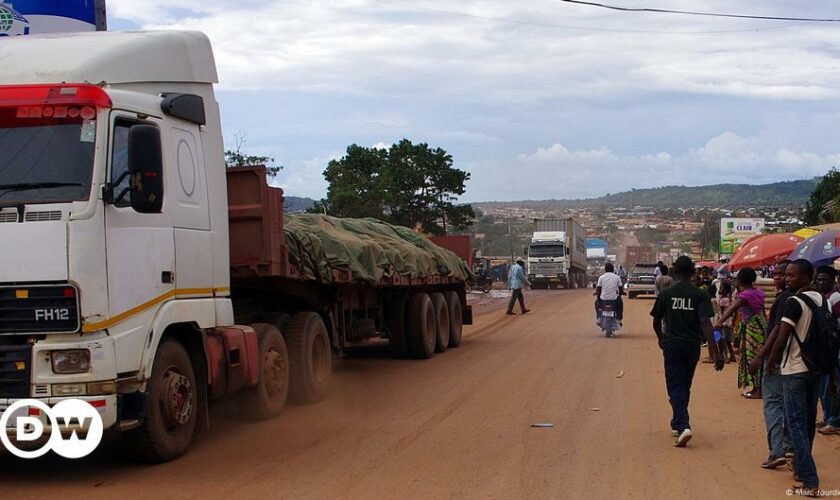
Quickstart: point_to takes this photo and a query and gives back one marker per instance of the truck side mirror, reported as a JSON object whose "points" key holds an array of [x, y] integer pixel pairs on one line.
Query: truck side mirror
{"points": [[525, 251], [145, 165]]}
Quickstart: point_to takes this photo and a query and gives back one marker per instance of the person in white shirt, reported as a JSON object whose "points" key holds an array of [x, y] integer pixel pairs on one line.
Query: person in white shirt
{"points": [[799, 385], [608, 288]]}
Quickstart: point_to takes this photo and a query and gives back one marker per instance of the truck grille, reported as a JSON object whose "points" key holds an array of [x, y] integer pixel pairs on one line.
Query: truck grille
{"points": [[546, 268], [14, 371], [39, 309]]}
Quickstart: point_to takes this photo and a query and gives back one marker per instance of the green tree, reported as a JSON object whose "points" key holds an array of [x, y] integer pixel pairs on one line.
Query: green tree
{"points": [[408, 184], [824, 204], [356, 187]]}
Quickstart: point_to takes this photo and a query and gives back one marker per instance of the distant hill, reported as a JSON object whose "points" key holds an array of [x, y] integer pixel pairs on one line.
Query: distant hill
{"points": [[730, 195], [297, 204]]}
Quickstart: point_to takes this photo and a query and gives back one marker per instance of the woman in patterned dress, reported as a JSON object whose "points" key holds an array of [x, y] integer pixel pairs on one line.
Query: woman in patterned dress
{"points": [[749, 303]]}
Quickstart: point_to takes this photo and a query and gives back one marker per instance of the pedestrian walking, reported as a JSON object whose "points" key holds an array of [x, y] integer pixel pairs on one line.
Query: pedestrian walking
{"points": [[749, 304], [516, 283], [681, 316], [663, 281], [799, 385], [726, 336], [778, 438]]}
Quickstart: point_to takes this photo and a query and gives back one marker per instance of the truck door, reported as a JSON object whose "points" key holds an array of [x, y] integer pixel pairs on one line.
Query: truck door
{"points": [[140, 247], [189, 208]]}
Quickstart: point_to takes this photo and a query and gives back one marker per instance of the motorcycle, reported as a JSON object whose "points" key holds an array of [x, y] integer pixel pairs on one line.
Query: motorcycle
{"points": [[483, 283], [607, 319]]}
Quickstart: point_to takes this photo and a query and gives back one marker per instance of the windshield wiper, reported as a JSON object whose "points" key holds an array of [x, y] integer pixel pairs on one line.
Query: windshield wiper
{"points": [[25, 186]]}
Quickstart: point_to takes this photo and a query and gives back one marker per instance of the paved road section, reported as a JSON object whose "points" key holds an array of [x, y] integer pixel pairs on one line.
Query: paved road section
{"points": [[459, 426]]}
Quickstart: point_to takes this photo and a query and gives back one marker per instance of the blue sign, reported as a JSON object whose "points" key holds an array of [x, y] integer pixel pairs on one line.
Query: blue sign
{"points": [[24, 17]]}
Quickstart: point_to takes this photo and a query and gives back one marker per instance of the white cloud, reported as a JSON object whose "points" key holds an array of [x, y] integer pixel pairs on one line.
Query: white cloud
{"points": [[558, 172], [594, 111], [363, 46], [305, 178]]}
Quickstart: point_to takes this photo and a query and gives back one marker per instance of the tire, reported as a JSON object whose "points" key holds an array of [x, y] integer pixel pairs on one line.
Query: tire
{"points": [[268, 398], [397, 324], [631, 295], [456, 318], [609, 332], [421, 326], [441, 322], [310, 360], [171, 410]]}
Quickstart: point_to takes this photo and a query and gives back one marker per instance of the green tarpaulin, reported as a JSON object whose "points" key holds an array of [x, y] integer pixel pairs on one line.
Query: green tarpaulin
{"points": [[369, 248]]}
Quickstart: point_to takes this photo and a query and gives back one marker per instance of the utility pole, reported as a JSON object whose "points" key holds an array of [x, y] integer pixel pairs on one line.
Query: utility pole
{"points": [[510, 240]]}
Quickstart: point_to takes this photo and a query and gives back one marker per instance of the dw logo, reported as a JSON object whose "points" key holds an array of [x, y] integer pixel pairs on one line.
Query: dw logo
{"points": [[12, 22], [75, 428]]}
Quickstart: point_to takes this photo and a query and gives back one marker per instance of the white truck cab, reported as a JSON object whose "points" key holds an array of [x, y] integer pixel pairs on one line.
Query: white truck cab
{"points": [[548, 259], [101, 249]]}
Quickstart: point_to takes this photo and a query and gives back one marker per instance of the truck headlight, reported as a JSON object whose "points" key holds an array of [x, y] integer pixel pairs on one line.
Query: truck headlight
{"points": [[71, 361]]}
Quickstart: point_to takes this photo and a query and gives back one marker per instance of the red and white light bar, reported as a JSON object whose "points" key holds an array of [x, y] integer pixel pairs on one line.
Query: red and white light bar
{"points": [[54, 95]]}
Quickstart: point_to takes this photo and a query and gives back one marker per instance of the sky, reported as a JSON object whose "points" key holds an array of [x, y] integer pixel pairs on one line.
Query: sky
{"points": [[537, 99]]}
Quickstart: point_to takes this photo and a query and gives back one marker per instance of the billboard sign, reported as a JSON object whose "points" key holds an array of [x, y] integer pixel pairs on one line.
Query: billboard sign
{"points": [[735, 231], [25, 17]]}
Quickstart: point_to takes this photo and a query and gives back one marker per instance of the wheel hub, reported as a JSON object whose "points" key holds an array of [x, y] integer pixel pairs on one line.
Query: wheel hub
{"points": [[178, 399]]}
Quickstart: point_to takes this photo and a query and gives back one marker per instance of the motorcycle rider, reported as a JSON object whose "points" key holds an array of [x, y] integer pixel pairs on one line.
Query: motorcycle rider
{"points": [[609, 289]]}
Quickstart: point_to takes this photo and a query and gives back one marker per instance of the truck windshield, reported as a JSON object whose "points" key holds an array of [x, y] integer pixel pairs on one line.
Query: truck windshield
{"points": [[45, 159], [546, 251]]}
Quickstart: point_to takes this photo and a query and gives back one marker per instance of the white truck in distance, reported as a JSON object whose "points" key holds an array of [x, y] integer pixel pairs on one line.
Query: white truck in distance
{"points": [[557, 254], [130, 258]]}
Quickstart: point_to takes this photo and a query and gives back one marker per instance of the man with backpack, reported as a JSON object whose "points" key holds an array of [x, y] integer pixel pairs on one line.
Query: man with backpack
{"points": [[806, 348]]}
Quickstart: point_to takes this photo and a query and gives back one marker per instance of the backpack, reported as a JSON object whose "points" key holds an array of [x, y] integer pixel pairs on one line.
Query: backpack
{"points": [[822, 345]]}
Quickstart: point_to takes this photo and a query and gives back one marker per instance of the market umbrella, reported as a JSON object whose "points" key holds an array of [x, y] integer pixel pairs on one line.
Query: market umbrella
{"points": [[821, 249], [806, 232], [763, 250], [711, 264]]}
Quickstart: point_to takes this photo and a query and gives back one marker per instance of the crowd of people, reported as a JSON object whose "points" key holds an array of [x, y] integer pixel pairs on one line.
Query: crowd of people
{"points": [[728, 315]]}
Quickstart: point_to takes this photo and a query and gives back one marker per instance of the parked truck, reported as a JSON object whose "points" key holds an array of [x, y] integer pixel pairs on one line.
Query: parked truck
{"points": [[139, 275], [557, 254]]}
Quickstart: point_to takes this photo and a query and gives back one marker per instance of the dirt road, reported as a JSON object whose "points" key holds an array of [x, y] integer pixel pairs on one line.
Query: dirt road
{"points": [[458, 426]]}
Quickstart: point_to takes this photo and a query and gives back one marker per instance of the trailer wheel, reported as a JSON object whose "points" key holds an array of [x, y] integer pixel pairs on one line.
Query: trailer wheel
{"points": [[441, 322], [172, 407], [310, 361], [421, 317], [456, 318], [395, 317], [268, 397]]}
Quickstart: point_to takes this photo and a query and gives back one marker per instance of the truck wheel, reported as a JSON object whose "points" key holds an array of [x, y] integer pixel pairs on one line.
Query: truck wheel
{"points": [[268, 397], [171, 409], [441, 322], [456, 318], [421, 329], [395, 317], [310, 361]]}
